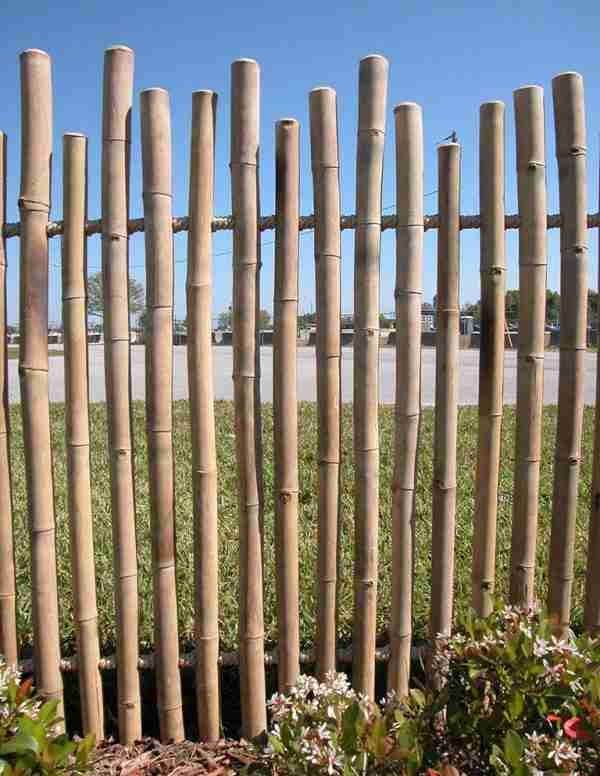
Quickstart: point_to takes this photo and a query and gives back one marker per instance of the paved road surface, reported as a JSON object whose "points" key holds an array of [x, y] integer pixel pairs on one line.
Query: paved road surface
{"points": [[468, 378]]}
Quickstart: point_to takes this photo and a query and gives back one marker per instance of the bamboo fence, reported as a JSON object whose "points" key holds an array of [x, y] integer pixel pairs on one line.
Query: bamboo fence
{"points": [[410, 224]]}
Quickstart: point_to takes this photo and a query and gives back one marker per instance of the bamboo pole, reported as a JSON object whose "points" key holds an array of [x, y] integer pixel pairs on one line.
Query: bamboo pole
{"points": [[531, 186], [156, 166], [34, 206], [8, 621], [446, 392], [491, 353], [200, 377], [326, 186], [116, 148], [244, 189], [409, 295], [77, 432], [285, 403], [569, 122], [372, 90]]}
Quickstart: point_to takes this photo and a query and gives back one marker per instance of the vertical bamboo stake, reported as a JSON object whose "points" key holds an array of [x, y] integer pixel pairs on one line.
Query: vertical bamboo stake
{"points": [[491, 352], [531, 186], [116, 144], [74, 277], [369, 176], [200, 377], [592, 578], [8, 622], [285, 406], [446, 391], [408, 293], [34, 207], [569, 121], [158, 233], [244, 190], [326, 185]]}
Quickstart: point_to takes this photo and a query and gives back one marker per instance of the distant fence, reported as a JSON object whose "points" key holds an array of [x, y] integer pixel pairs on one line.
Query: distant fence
{"points": [[410, 223]]}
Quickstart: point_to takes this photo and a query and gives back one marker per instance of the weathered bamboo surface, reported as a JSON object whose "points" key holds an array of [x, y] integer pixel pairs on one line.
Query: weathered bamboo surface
{"points": [[77, 431], [531, 187], [116, 150], [491, 353], [34, 206], [202, 415], [155, 111], [244, 192], [409, 296], [327, 246], [8, 620]]}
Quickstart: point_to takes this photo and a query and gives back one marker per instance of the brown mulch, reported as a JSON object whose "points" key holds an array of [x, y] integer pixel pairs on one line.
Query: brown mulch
{"points": [[149, 757]]}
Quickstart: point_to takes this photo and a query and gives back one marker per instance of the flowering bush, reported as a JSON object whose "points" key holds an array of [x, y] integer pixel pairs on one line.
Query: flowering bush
{"points": [[515, 699], [31, 741]]}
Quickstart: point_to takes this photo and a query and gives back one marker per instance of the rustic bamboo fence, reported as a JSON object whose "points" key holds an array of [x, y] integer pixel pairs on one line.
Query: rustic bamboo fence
{"points": [[410, 223]]}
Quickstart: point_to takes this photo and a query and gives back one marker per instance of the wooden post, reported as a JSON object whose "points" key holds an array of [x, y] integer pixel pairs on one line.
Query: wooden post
{"points": [[8, 621], [409, 296], [244, 192], [116, 149], [326, 186], [531, 185], [77, 431], [491, 353], [569, 122], [369, 176], [200, 377], [285, 405], [158, 233], [446, 392], [34, 207]]}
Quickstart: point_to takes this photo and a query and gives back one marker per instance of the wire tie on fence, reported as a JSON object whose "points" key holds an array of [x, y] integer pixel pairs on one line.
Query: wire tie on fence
{"points": [[324, 166], [406, 226], [370, 131], [131, 575], [116, 140], [367, 222], [33, 205], [205, 638], [113, 236], [158, 194], [258, 637], [533, 164], [530, 459], [242, 163], [328, 461]]}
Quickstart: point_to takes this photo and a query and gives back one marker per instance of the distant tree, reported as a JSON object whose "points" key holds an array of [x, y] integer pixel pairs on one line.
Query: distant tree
{"points": [[96, 302], [552, 307], [225, 320], [512, 306], [306, 320], [474, 310], [593, 308], [265, 319]]}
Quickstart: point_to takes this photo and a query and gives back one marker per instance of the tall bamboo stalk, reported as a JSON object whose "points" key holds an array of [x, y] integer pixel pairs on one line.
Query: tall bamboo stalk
{"points": [[409, 295], [569, 122], [326, 186], [372, 89], [491, 352], [446, 391], [285, 403], [34, 207], [8, 621], [158, 233], [531, 186], [244, 191], [116, 150], [77, 431], [592, 577], [200, 377]]}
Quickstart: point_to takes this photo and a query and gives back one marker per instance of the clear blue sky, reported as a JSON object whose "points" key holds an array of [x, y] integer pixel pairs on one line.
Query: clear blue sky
{"points": [[447, 57]]}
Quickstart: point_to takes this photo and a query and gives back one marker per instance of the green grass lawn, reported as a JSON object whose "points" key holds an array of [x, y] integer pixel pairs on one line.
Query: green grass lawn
{"points": [[228, 530], [13, 352]]}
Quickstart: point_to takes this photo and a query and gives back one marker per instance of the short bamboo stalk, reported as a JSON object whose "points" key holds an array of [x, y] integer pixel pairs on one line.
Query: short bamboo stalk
{"points": [[531, 187], [244, 189], [156, 165], [8, 621], [200, 377], [569, 122], [326, 186], [74, 278], [446, 392], [285, 405], [491, 353], [372, 91], [116, 150], [408, 295], [34, 206]]}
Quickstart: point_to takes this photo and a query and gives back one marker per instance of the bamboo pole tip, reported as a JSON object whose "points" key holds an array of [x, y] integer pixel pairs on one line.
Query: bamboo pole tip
{"points": [[374, 59], [528, 89], [119, 47], [34, 52], [567, 75], [203, 93], [407, 107], [153, 90], [318, 89], [287, 122], [244, 62], [490, 104], [74, 134]]}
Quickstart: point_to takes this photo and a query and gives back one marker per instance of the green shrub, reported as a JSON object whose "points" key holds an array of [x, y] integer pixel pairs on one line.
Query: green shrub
{"points": [[515, 700], [31, 737]]}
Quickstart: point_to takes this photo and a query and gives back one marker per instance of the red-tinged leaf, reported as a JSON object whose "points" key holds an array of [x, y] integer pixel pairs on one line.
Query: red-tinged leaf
{"points": [[24, 689], [574, 729]]}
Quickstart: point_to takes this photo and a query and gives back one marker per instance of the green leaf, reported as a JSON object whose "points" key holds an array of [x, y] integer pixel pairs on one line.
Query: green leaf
{"points": [[20, 744], [349, 727], [516, 704], [513, 748]]}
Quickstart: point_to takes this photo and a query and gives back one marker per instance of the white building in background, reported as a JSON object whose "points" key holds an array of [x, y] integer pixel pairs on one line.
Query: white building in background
{"points": [[427, 316]]}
